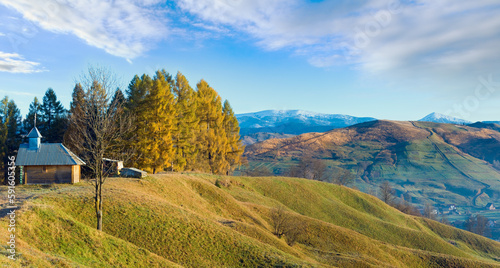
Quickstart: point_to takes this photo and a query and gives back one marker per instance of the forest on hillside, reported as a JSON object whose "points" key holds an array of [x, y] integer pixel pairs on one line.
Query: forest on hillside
{"points": [[173, 126]]}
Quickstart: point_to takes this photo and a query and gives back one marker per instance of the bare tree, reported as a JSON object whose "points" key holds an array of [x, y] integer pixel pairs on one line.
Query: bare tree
{"points": [[469, 223], [308, 168], [318, 169], [429, 211], [284, 224], [279, 218], [481, 225], [407, 208], [444, 220], [343, 177], [387, 193], [295, 229], [477, 224], [100, 126]]}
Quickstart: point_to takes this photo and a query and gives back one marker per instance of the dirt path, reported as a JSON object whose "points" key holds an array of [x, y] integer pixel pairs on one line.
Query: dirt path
{"points": [[25, 193]]}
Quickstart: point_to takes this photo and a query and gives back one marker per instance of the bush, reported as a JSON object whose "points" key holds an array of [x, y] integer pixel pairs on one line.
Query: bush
{"points": [[284, 224]]}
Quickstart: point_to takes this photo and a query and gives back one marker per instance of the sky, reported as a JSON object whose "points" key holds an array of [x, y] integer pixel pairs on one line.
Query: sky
{"points": [[389, 59]]}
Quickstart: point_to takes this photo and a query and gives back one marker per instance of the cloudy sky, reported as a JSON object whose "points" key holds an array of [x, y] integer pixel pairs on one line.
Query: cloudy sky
{"points": [[388, 59]]}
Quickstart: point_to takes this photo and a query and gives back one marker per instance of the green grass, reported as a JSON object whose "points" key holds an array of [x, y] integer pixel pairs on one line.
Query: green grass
{"points": [[186, 220], [428, 167]]}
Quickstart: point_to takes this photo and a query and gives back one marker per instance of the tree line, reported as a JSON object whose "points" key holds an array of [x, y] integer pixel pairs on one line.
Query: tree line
{"points": [[175, 127], [51, 120], [180, 128]]}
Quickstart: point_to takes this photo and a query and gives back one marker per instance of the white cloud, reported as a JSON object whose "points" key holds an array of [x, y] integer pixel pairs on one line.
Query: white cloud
{"points": [[373, 35], [15, 63], [124, 28], [376, 35], [17, 93]]}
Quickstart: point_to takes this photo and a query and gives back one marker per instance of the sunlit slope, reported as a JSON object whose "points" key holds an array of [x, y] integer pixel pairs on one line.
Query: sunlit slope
{"points": [[431, 162], [189, 221]]}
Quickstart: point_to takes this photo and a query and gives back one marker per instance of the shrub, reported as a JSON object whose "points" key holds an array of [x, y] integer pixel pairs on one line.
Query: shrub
{"points": [[284, 224]]}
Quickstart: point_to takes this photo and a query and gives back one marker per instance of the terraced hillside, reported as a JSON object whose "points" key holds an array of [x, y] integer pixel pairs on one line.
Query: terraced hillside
{"points": [[196, 220]]}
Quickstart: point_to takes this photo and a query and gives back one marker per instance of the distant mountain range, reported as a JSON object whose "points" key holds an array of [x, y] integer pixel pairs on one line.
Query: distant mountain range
{"points": [[264, 125], [298, 121], [418, 158], [294, 122]]}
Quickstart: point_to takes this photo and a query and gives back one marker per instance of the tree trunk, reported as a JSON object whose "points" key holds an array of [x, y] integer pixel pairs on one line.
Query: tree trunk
{"points": [[99, 220], [98, 203]]}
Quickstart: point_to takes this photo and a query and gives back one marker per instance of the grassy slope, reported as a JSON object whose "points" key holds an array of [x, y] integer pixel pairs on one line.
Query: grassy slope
{"points": [[185, 219], [429, 161]]}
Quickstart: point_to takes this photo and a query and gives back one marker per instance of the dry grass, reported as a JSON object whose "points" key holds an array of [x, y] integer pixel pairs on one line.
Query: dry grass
{"points": [[187, 220]]}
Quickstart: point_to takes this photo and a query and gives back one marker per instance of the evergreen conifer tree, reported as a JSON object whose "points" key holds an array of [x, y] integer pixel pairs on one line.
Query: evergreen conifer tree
{"points": [[54, 121], [71, 135], [10, 125], [35, 108]]}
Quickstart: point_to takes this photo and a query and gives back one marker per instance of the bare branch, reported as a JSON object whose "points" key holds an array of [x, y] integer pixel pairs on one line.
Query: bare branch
{"points": [[100, 127]]}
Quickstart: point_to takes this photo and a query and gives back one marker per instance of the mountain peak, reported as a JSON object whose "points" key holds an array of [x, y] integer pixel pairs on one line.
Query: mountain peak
{"points": [[441, 118]]}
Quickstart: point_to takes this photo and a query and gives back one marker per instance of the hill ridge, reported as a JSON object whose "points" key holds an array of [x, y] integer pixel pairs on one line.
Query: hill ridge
{"points": [[428, 162], [167, 215]]}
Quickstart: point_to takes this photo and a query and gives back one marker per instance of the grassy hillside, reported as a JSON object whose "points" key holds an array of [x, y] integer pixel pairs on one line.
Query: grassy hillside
{"points": [[430, 162], [196, 220]]}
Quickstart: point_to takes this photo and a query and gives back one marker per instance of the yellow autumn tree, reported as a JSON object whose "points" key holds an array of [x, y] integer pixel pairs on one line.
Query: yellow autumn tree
{"points": [[157, 120], [212, 141], [185, 149], [138, 89], [234, 148], [179, 128]]}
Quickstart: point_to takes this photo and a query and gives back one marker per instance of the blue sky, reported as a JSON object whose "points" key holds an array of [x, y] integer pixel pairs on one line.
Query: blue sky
{"points": [[388, 59]]}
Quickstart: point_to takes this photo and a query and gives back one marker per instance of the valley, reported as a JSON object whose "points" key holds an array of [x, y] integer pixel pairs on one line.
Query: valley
{"points": [[424, 162]]}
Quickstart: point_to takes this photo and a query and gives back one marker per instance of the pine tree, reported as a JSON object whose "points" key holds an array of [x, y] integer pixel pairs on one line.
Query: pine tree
{"points": [[118, 100], [35, 108], [184, 136], [156, 135], [4, 119], [137, 91], [10, 126], [13, 127], [54, 121], [234, 147], [211, 137], [71, 135]]}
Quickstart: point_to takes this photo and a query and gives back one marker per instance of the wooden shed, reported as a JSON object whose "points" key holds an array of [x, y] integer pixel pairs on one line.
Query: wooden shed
{"points": [[46, 163]]}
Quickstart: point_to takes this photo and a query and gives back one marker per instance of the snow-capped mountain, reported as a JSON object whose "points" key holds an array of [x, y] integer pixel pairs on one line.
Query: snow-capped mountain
{"points": [[294, 121], [441, 118]]}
